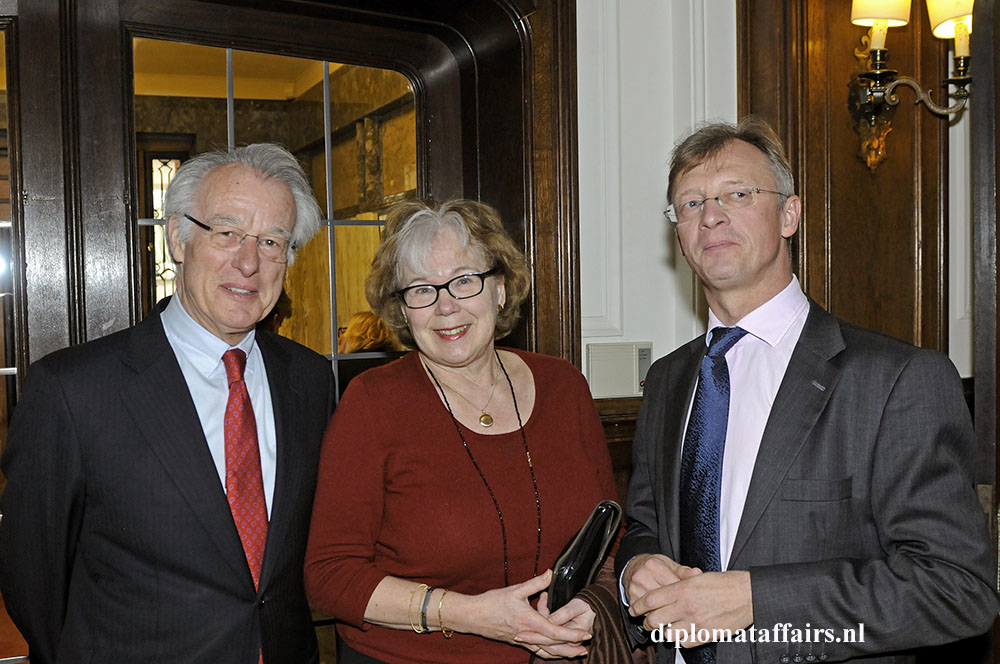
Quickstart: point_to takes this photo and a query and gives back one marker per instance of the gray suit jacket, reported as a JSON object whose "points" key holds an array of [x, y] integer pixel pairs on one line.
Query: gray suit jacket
{"points": [[861, 507], [117, 543]]}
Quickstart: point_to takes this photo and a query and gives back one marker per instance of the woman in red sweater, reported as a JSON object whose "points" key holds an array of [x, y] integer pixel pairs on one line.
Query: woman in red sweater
{"points": [[451, 479]]}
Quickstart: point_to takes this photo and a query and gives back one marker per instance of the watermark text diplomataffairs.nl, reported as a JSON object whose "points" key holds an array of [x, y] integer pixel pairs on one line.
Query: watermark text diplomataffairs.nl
{"points": [[780, 633]]}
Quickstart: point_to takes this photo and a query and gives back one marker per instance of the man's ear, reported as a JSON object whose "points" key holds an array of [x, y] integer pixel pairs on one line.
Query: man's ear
{"points": [[679, 243], [174, 240], [790, 215]]}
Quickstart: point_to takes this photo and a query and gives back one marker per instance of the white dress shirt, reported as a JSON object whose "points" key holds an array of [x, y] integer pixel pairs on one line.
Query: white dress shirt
{"points": [[199, 353]]}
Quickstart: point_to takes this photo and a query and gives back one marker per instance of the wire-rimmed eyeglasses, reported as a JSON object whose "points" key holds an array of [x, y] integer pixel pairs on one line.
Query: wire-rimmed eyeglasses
{"points": [[272, 248], [736, 198], [461, 287]]}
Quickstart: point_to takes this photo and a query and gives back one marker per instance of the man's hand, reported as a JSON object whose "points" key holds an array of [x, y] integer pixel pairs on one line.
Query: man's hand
{"points": [[713, 600], [647, 572]]}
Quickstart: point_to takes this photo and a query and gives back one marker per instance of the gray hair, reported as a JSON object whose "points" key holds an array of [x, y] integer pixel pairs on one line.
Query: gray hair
{"points": [[269, 160], [708, 140], [416, 237]]}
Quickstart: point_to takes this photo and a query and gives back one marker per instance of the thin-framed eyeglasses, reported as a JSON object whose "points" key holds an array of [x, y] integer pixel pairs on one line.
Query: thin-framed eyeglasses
{"points": [[736, 198], [461, 287], [273, 248]]}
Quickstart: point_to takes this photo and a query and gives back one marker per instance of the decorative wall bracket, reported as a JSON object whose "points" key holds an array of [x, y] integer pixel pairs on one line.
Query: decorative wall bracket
{"points": [[872, 99]]}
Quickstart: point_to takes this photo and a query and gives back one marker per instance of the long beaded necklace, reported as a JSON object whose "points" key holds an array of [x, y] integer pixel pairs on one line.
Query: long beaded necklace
{"points": [[531, 469]]}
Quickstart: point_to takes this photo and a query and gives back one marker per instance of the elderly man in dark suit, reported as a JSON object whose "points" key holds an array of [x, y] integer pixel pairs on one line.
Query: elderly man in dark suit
{"points": [[802, 486], [160, 480]]}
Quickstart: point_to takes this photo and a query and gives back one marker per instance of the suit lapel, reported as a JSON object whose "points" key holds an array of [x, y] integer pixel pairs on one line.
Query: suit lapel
{"points": [[685, 376], [805, 390], [284, 396], [160, 404]]}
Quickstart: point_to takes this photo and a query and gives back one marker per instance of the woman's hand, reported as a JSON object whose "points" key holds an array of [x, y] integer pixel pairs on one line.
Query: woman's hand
{"points": [[577, 614], [505, 614]]}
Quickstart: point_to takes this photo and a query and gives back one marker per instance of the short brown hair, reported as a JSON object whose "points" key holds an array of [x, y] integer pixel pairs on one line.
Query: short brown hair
{"points": [[708, 140], [410, 226]]}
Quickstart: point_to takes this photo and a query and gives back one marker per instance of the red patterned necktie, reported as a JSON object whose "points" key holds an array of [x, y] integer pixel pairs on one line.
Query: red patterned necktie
{"points": [[244, 485]]}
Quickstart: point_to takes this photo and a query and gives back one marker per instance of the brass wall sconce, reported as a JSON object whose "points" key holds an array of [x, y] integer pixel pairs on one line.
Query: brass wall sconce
{"points": [[872, 95]]}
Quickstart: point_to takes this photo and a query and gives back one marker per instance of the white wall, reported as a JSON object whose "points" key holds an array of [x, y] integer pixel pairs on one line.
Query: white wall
{"points": [[960, 294], [648, 71]]}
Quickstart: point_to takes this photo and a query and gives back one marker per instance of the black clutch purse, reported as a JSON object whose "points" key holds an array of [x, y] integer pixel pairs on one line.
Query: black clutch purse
{"points": [[577, 565]]}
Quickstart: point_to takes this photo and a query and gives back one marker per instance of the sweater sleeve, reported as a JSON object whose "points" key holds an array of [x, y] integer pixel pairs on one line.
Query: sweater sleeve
{"points": [[340, 573]]}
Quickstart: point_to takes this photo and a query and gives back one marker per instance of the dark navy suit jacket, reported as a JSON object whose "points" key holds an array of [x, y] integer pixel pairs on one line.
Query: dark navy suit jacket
{"points": [[117, 543]]}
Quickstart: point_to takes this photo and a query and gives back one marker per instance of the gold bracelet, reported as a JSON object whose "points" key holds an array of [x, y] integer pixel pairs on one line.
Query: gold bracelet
{"points": [[445, 632], [409, 609]]}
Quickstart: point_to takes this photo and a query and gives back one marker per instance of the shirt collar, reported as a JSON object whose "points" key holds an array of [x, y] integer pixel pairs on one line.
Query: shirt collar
{"points": [[770, 321], [201, 348]]}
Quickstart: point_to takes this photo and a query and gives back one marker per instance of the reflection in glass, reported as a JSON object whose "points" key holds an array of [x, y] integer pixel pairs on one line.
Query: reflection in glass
{"points": [[354, 249], [307, 284]]}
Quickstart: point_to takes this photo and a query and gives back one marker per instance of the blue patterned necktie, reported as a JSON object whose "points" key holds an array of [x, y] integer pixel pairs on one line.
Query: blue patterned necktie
{"points": [[701, 467]]}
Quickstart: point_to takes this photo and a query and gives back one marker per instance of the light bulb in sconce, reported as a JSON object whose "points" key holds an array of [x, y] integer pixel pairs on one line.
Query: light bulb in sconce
{"points": [[952, 19], [880, 15]]}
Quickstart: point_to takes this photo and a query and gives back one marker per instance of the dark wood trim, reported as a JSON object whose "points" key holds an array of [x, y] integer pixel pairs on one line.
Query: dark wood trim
{"points": [[985, 166], [555, 199], [52, 308], [618, 418], [105, 201], [985, 152]]}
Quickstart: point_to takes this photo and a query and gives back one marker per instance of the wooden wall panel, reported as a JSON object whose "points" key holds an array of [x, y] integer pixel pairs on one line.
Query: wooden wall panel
{"points": [[871, 247], [53, 311]]}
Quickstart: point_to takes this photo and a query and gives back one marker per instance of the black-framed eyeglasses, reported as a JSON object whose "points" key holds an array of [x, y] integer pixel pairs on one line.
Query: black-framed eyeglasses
{"points": [[273, 248], [461, 287], [736, 198]]}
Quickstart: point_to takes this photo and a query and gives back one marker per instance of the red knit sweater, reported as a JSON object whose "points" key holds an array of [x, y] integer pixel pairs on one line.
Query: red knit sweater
{"points": [[398, 495]]}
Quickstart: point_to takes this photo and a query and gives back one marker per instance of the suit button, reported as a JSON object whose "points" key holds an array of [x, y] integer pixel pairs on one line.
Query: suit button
{"points": [[810, 657], [823, 657], [797, 659], [785, 659], [261, 602]]}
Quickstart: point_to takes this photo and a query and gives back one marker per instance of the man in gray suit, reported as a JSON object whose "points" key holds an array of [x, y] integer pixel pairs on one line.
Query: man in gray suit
{"points": [[802, 488]]}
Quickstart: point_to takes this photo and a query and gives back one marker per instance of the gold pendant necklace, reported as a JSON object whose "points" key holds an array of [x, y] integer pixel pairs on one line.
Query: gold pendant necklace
{"points": [[485, 419]]}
